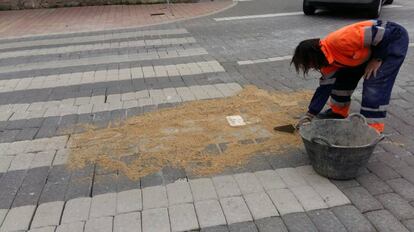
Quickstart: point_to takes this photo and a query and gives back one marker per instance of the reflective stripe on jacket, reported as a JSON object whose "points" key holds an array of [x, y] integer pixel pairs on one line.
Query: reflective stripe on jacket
{"points": [[351, 45]]}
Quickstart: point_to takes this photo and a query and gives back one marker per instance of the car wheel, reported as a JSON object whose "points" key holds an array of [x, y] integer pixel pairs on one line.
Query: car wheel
{"points": [[388, 2], [375, 10], [308, 9]]}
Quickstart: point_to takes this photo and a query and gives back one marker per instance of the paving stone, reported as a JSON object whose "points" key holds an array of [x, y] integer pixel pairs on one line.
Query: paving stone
{"points": [[344, 184], [103, 205], [154, 197], [26, 134], [330, 194], [155, 220], [18, 218], [76, 210], [299, 222], [5, 163], [53, 191], [258, 163], [235, 210], [3, 213], [71, 227], [285, 201], [87, 171], [373, 184], [103, 224], [44, 229], [361, 198], [129, 201], [151, 180], [291, 177], [179, 192], [391, 160], [270, 180], [215, 229], [79, 187], [384, 221], [128, 222], [407, 173], [399, 207], [309, 199], [226, 186], [104, 184], [352, 219], [409, 224], [326, 221], [21, 162], [10, 182], [209, 213], [124, 183], [203, 189], [382, 171], [42, 159], [31, 187], [48, 214], [248, 183], [260, 205], [61, 157], [243, 227], [403, 188], [183, 217], [272, 224]]}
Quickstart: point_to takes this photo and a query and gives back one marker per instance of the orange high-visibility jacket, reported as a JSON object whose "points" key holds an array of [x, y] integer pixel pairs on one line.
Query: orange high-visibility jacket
{"points": [[350, 46]]}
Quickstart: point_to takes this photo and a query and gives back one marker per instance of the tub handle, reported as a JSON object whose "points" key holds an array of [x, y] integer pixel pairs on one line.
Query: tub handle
{"points": [[359, 116], [320, 139], [377, 140]]}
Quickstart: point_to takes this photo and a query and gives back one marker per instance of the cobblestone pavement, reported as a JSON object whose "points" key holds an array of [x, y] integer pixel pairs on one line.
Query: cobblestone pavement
{"points": [[50, 83]]}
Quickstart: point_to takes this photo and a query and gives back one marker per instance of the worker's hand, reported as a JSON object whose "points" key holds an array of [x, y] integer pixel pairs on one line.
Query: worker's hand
{"points": [[372, 68], [305, 119]]}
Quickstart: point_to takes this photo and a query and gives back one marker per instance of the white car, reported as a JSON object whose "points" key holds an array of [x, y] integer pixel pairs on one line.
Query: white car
{"points": [[372, 8]]}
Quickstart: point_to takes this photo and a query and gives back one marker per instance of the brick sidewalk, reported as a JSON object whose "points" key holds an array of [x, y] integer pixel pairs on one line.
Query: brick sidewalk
{"points": [[93, 18]]}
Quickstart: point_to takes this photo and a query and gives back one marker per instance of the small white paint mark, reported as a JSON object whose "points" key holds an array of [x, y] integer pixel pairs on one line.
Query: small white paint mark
{"points": [[271, 59], [411, 45], [258, 16], [235, 120]]}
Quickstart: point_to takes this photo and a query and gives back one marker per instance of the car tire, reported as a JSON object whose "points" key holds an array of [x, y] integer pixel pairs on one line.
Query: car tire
{"points": [[308, 9], [388, 2], [375, 10]]}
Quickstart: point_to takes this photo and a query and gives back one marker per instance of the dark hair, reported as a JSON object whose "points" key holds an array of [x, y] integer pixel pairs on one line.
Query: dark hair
{"points": [[308, 55]]}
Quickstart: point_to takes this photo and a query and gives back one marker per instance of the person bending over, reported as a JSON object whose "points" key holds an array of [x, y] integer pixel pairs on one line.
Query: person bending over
{"points": [[373, 50]]}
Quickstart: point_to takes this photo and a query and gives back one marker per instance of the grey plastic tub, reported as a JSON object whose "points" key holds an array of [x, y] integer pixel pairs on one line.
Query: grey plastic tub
{"points": [[338, 148]]}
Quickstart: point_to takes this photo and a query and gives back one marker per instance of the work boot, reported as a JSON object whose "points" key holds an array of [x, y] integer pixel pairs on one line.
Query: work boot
{"points": [[329, 114]]}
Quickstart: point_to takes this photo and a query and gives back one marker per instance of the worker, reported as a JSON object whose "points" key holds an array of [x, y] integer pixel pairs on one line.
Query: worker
{"points": [[373, 50]]}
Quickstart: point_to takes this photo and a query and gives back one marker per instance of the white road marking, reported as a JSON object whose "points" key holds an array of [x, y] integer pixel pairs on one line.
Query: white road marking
{"points": [[279, 58], [100, 103], [258, 16], [271, 59], [94, 47], [79, 78], [96, 38], [392, 6]]}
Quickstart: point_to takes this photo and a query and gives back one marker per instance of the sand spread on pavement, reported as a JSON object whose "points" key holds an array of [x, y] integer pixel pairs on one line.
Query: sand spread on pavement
{"points": [[178, 136]]}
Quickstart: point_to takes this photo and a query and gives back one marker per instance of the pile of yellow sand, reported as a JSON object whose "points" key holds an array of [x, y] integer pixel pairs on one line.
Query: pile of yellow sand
{"points": [[179, 136]]}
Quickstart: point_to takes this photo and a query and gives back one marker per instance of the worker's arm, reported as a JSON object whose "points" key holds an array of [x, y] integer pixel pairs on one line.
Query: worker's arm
{"points": [[321, 95]]}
